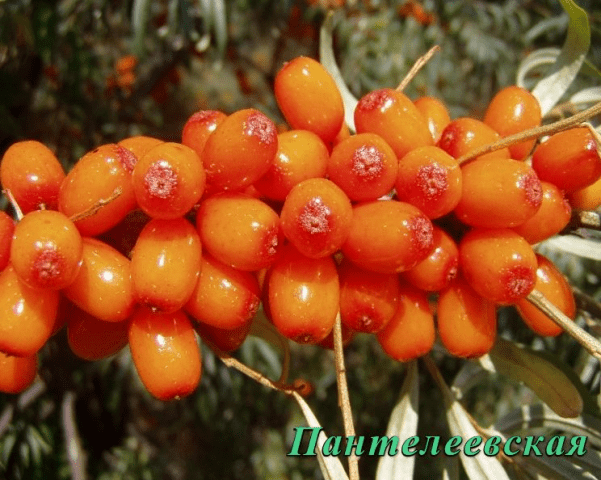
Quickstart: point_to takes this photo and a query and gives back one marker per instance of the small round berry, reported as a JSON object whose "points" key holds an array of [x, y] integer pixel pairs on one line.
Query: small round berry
{"points": [[347, 337], [17, 373], [464, 135], [587, 198], [436, 114], [199, 126], [7, 228], [224, 340], [139, 145]]}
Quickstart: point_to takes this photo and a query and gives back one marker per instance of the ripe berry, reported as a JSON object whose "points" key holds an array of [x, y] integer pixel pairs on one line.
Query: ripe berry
{"points": [[165, 352], [168, 180], [309, 98], [436, 114], [316, 217], [347, 337], [7, 227], [139, 145], [199, 127], [33, 174], [464, 135], [17, 373], [587, 198], [46, 250], [224, 340]]}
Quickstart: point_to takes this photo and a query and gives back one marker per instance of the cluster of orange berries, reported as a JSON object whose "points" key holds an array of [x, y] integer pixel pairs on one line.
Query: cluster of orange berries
{"points": [[148, 243]]}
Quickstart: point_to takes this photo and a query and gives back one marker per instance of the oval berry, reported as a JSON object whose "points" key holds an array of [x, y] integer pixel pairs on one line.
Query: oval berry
{"points": [[464, 135], [17, 373], [436, 114], [199, 127], [7, 227], [139, 145]]}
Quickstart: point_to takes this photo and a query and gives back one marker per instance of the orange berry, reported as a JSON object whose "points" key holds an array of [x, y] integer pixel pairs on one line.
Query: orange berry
{"points": [[103, 286], [165, 352], [139, 144], [304, 296], [587, 198], [554, 286], [224, 297], [168, 180], [17, 373], [467, 323], [225, 340], [316, 217], [436, 114], [410, 333], [464, 135], [7, 227], [309, 98], [347, 337], [27, 315], [388, 236], [199, 126], [301, 155], [165, 264], [430, 179], [33, 174], [364, 166], [239, 230], [395, 118], [46, 250], [240, 150], [94, 178], [498, 263]]}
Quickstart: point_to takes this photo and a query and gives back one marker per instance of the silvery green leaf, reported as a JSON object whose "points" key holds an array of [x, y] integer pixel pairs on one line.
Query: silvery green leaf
{"points": [[542, 56], [402, 423], [586, 95], [140, 14], [471, 374], [583, 247]]}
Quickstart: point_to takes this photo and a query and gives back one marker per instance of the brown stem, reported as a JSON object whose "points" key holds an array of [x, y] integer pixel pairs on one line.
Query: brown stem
{"points": [[97, 206], [14, 203], [417, 66]]}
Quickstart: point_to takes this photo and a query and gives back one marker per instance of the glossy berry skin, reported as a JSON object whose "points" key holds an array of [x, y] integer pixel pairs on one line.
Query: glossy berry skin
{"points": [[46, 250], [498, 193], [436, 114], [199, 127], [309, 98], [347, 337], [568, 159], [364, 166], [430, 179], [303, 296], [555, 287], [388, 236], [165, 352], [33, 174], [7, 227], [103, 287], [139, 144], [368, 300], [498, 263], [240, 150], [165, 264], [467, 323], [224, 340], [224, 297], [239, 230], [395, 118], [587, 198], [512, 110], [551, 218], [316, 217], [168, 180], [301, 155], [17, 373], [410, 333], [94, 178], [463, 135], [28, 315], [439, 268]]}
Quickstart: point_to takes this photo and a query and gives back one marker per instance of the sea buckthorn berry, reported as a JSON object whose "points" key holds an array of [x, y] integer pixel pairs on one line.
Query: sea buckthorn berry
{"points": [[498, 263], [27, 315], [103, 286], [551, 218], [467, 323], [139, 145], [316, 217], [224, 339], [17, 373], [439, 268], [430, 179], [168, 180], [554, 286], [240, 150], [395, 118], [93, 339], [388, 236], [46, 250], [301, 155], [347, 337], [224, 297], [512, 110], [368, 300], [364, 166], [464, 135], [33, 174], [309, 98], [410, 333], [7, 227], [436, 114], [199, 126], [165, 264], [587, 198], [498, 193], [96, 177], [304, 295], [239, 230], [165, 352], [568, 159]]}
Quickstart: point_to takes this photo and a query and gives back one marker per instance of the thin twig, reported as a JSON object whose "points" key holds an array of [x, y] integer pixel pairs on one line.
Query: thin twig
{"points": [[14, 203], [97, 206], [417, 66], [583, 219], [536, 132], [75, 451]]}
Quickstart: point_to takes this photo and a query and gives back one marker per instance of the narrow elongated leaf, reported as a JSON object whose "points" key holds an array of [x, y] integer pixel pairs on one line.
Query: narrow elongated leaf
{"points": [[587, 95], [403, 423], [538, 58], [582, 247]]}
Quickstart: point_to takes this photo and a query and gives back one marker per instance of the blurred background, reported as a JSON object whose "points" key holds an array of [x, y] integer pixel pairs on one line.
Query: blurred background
{"points": [[75, 74]]}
